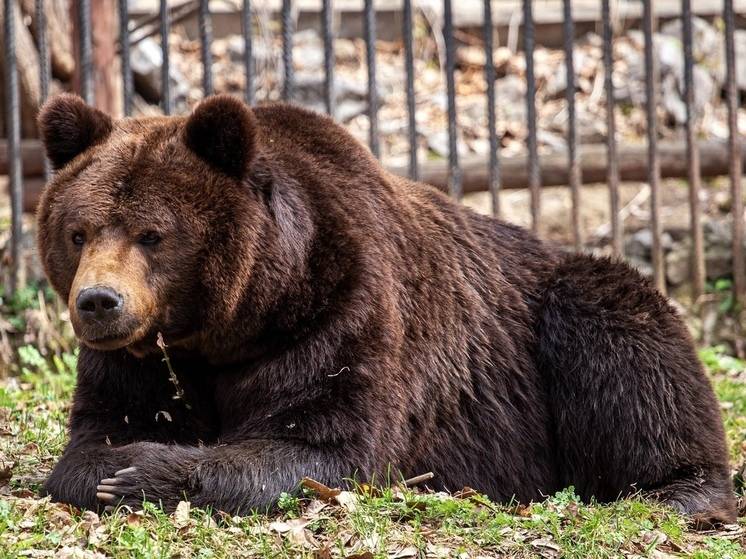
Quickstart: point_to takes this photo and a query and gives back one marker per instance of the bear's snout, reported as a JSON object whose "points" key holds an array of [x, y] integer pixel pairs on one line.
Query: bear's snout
{"points": [[110, 300], [100, 305]]}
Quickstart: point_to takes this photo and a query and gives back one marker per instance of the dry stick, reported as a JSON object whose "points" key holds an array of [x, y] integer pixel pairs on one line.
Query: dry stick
{"points": [[171, 373], [416, 480]]}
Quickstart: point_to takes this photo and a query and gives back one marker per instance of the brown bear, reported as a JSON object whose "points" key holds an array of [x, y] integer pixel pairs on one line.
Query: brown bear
{"points": [[325, 318]]}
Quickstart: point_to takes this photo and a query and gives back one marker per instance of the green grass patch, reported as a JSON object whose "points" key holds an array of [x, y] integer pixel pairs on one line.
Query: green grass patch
{"points": [[393, 522]]}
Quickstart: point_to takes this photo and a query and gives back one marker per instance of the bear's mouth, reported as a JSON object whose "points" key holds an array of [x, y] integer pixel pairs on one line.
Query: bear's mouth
{"points": [[114, 340], [108, 343]]}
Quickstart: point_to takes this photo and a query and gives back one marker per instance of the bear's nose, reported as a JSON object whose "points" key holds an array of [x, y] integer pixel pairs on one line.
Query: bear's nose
{"points": [[100, 304]]}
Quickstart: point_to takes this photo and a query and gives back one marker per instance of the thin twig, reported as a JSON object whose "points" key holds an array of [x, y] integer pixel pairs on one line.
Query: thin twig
{"points": [[171, 373]]}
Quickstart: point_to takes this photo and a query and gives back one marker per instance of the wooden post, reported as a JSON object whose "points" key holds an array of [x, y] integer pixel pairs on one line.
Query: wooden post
{"points": [[105, 61]]}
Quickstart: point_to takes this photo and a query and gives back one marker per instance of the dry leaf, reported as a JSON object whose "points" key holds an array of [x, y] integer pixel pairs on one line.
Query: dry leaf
{"points": [[97, 533], [369, 490], [59, 516], [6, 470], [68, 552], [465, 493], [523, 511], [545, 543], [410, 551], [294, 530], [181, 514], [347, 500], [314, 508]]}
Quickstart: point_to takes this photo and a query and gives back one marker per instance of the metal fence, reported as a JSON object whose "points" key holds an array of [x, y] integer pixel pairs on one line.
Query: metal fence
{"points": [[494, 182]]}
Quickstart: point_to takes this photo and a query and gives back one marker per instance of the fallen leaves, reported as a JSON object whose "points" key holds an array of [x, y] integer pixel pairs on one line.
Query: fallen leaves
{"points": [[295, 530]]}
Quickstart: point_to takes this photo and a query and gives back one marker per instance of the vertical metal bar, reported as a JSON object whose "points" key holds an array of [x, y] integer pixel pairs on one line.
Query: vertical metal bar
{"points": [[651, 103], [86, 50], [13, 129], [41, 46], [287, 49], [44, 63], [327, 30], [692, 152], [248, 55], [411, 107], [165, 65], [572, 139], [534, 177], [734, 153], [124, 52], [489, 76], [612, 164], [370, 57], [455, 187], [205, 36]]}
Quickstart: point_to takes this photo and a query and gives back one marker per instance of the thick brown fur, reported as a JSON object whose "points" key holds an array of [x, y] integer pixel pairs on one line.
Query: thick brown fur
{"points": [[328, 319]]}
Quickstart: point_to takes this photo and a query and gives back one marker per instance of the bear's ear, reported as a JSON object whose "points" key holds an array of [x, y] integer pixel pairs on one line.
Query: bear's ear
{"points": [[69, 127], [221, 131]]}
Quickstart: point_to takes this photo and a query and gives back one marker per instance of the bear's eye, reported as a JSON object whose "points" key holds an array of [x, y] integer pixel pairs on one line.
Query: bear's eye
{"points": [[78, 238], [149, 238]]}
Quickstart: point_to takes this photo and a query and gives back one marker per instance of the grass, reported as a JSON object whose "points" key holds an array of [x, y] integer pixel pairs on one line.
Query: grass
{"points": [[390, 523]]}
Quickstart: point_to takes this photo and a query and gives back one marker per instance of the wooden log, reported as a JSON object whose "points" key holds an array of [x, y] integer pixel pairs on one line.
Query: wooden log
{"points": [[59, 35], [28, 72], [32, 189], [554, 166], [554, 169], [32, 157]]}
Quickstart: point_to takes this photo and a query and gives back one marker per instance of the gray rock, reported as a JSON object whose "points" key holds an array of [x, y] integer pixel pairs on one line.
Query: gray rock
{"points": [[717, 232], [557, 84], [671, 98], [308, 51], [707, 41], [718, 262], [678, 267], [640, 244], [740, 45], [261, 51], [511, 89], [349, 109], [437, 141], [641, 265], [146, 60], [670, 54]]}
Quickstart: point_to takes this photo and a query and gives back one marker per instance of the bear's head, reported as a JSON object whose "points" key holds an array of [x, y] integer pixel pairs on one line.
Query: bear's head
{"points": [[152, 225]]}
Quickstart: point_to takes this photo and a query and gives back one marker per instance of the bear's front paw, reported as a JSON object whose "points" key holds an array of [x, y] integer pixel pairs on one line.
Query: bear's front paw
{"points": [[123, 489], [158, 474]]}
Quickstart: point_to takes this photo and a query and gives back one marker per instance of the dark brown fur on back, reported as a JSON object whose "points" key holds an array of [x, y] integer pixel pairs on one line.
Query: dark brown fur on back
{"points": [[327, 319]]}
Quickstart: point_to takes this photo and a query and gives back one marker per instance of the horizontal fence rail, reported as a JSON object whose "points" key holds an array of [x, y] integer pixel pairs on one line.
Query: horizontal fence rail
{"points": [[462, 174]]}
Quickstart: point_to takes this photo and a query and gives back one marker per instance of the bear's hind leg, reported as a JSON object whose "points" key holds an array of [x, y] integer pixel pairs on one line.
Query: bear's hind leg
{"points": [[633, 409], [705, 495]]}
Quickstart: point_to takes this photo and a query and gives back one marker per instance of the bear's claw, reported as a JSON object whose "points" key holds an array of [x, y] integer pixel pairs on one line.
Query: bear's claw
{"points": [[114, 490]]}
